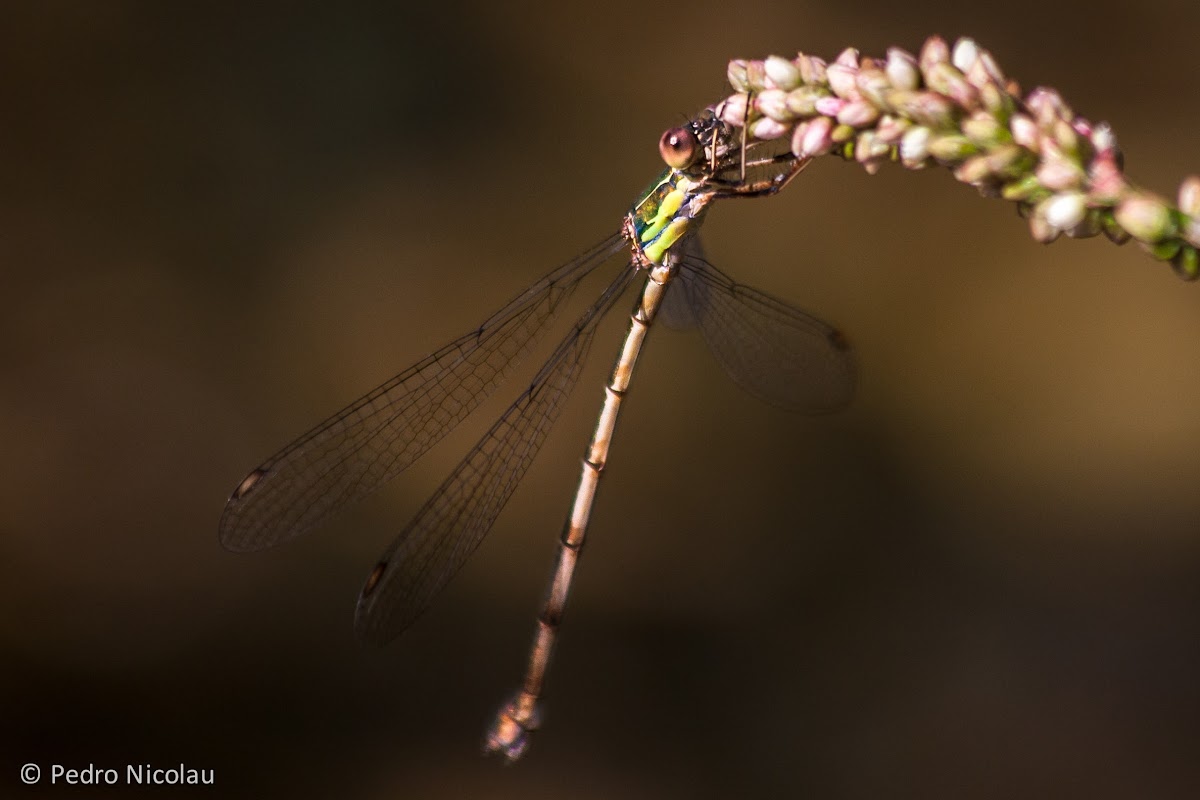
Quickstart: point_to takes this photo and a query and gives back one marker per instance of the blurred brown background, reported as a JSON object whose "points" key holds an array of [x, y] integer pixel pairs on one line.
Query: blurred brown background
{"points": [[983, 580]]}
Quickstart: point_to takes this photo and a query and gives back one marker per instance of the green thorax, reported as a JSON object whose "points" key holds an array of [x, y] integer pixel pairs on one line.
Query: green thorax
{"points": [[669, 209]]}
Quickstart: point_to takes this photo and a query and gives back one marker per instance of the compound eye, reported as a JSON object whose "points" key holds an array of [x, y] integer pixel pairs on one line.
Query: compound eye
{"points": [[679, 148]]}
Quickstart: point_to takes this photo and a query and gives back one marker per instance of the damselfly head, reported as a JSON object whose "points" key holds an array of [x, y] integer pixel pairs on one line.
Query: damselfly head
{"points": [[679, 147], [704, 141]]}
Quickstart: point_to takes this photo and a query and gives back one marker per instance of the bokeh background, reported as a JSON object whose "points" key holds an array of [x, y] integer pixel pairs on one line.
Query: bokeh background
{"points": [[219, 224]]}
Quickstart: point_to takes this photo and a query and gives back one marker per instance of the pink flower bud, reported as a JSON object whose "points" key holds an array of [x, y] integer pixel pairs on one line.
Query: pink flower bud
{"points": [[901, 69], [782, 73], [813, 137], [842, 80], [934, 51]]}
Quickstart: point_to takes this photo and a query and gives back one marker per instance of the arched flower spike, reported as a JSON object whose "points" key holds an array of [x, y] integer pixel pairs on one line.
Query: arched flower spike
{"points": [[954, 107]]}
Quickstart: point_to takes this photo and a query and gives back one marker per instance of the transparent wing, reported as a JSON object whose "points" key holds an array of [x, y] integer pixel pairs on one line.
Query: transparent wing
{"points": [[356, 450], [450, 526], [776, 352]]}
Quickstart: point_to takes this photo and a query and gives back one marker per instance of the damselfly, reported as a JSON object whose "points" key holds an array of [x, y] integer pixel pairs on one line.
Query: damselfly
{"points": [[777, 352]]}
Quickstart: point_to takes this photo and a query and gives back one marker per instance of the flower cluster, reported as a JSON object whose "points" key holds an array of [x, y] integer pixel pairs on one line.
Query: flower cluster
{"points": [[954, 107]]}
